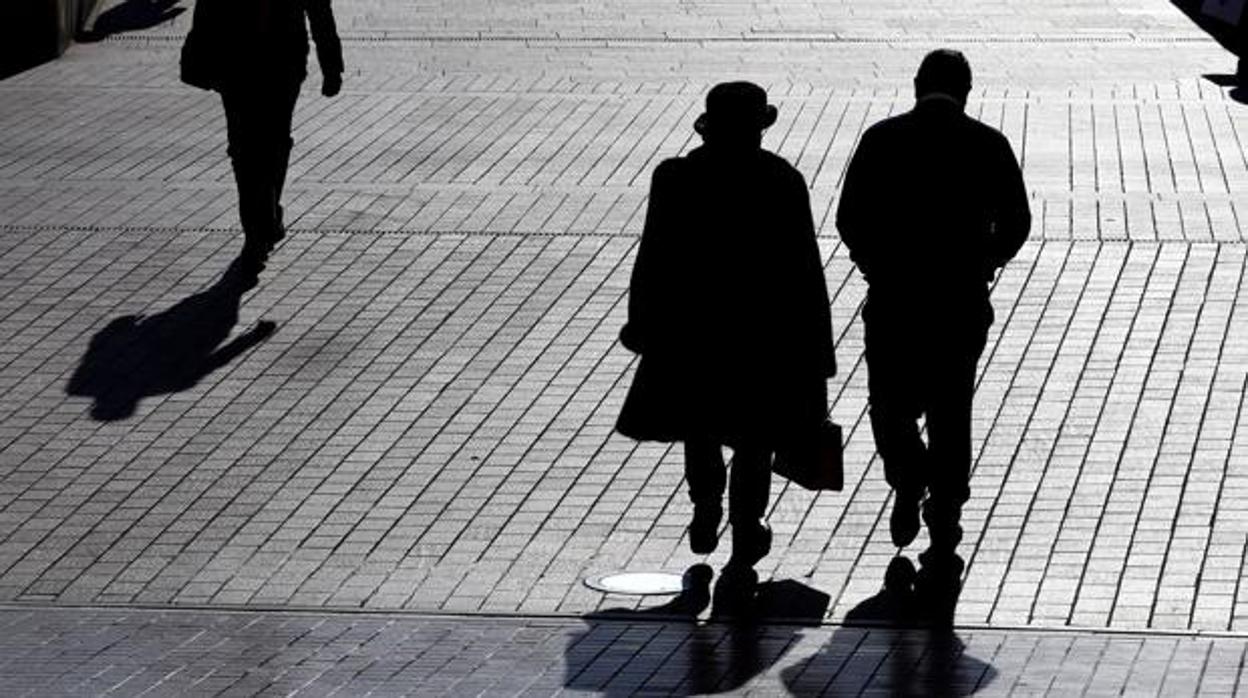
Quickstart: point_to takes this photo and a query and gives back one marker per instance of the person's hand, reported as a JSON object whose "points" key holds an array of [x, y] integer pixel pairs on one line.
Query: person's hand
{"points": [[331, 85]]}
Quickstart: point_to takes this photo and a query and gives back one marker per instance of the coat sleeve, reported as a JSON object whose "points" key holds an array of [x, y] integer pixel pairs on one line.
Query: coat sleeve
{"points": [[1011, 216], [857, 207], [814, 283], [325, 35], [645, 288]]}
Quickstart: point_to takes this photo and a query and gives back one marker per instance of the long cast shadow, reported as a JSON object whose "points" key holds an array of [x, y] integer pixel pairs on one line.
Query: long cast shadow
{"points": [[129, 16], [624, 652], [135, 356], [897, 643]]}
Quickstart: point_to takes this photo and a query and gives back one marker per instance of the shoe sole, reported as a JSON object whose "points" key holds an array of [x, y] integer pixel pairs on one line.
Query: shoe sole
{"points": [[703, 548]]}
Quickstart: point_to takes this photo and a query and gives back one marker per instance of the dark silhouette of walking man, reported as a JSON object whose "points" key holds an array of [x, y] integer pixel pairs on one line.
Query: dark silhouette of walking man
{"points": [[255, 54], [933, 204], [1241, 65], [729, 311]]}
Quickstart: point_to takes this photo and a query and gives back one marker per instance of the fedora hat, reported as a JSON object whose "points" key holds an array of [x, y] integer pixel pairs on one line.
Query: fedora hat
{"points": [[736, 106]]}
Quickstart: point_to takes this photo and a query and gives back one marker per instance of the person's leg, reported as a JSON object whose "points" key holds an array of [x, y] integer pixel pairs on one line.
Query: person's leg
{"points": [[245, 129], [949, 455], [891, 381], [949, 435], [895, 426], [748, 492], [282, 125], [707, 476], [949, 406]]}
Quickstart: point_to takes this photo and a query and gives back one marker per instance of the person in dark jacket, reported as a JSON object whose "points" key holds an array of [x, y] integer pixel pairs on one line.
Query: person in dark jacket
{"points": [[729, 311], [257, 60], [933, 204], [1241, 65]]}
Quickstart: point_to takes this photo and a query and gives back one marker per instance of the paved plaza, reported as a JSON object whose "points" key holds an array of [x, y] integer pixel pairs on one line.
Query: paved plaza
{"points": [[388, 468]]}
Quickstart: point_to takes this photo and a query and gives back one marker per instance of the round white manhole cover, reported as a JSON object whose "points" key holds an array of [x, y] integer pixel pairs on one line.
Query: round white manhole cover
{"points": [[640, 583]]}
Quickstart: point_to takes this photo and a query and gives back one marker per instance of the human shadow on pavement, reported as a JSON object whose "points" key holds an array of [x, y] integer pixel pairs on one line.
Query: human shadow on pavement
{"points": [[899, 642], [129, 16], [622, 652], [135, 356]]}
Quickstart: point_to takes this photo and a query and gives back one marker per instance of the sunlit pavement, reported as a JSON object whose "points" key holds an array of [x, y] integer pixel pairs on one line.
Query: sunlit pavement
{"points": [[402, 487]]}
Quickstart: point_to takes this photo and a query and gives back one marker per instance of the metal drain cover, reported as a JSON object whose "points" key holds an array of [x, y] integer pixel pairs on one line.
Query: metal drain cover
{"points": [[636, 583]]}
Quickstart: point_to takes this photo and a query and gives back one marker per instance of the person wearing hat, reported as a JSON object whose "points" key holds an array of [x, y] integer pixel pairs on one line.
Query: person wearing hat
{"points": [[728, 309], [933, 204]]}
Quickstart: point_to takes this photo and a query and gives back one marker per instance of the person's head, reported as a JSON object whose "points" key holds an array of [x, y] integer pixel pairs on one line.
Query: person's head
{"points": [[736, 115], [943, 72]]}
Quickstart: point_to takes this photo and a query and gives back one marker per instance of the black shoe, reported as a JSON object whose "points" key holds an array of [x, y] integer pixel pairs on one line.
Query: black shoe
{"points": [[704, 529], [903, 523], [277, 237], [255, 252], [750, 543]]}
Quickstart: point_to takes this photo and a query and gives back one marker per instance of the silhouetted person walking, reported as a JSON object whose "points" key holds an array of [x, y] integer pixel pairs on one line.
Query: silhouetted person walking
{"points": [[729, 311], [257, 59], [933, 204], [1241, 65]]}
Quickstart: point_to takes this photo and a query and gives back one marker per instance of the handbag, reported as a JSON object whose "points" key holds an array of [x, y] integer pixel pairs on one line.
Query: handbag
{"points": [[816, 461], [201, 60]]}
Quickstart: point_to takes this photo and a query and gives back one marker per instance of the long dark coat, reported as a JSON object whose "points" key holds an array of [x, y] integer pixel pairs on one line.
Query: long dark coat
{"points": [[728, 306]]}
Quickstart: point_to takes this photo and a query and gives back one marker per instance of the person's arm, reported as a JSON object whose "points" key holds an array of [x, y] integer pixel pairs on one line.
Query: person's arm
{"points": [[856, 209], [328, 46], [645, 288], [1011, 220]]}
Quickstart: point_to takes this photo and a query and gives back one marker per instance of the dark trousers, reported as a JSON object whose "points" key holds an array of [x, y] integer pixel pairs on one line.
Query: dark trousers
{"points": [[258, 123], [923, 366], [750, 484]]}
